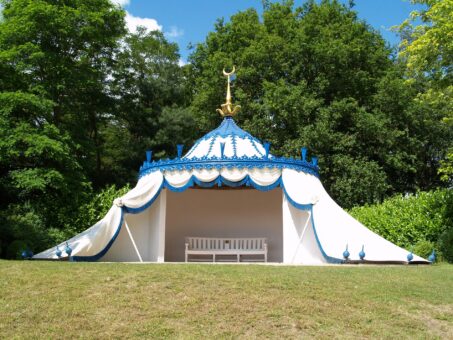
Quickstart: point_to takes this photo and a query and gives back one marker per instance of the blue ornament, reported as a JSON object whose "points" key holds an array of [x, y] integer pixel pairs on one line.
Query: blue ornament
{"points": [[346, 253], [58, 252], [410, 257], [68, 249], [303, 152], [432, 257], [222, 149], [180, 147], [362, 253], [24, 254], [149, 156], [314, 161]]}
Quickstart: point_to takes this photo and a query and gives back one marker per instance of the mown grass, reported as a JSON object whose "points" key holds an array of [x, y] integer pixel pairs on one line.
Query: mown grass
{"points": [[114, 300]]}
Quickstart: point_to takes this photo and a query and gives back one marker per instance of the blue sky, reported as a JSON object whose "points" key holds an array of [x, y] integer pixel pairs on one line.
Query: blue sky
{"points": [[189, 21]]}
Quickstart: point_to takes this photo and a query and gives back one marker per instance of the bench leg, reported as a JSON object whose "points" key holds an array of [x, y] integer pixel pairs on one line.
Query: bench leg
{"points": [[239, 257], [265, 257], [186, 257], [213, 257]]}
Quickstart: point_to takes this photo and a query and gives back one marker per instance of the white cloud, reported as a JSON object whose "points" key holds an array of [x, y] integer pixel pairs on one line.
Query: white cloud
{"points": [[174, 32], [132, 22], [182, 62], [122, 3]]}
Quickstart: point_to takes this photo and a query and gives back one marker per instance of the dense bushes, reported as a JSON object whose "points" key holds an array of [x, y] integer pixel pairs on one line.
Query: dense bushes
{"points": [[420, 222]]}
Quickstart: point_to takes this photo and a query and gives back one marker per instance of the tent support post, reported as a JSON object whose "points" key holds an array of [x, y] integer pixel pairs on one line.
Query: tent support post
{"points": [[133, 242], [302, 236]]}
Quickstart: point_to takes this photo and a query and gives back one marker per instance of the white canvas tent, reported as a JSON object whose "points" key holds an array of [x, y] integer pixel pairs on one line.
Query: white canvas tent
{"points": [[229, 185]]}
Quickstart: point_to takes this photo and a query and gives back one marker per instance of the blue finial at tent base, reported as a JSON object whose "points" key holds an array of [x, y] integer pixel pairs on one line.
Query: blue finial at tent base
{"points": [[432, 257], [222, 149], [68, 249], [303, 152], [58, 252], [346, 253], [180, 147], [267, 147], [26, 254], [149, 155], [362, 253], [410, 257]]}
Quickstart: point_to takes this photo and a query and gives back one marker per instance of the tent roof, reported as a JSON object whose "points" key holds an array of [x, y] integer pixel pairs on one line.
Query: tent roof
{"points": [[228, 146]]}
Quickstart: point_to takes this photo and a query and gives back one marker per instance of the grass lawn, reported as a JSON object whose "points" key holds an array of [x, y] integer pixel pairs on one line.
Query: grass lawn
{"points": [[100, 300]]}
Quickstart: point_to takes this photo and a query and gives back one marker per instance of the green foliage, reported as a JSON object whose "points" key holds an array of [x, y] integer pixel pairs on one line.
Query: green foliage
{"points": [[410, 220], [424, 248], [427, 49], [446, 244], [95, 209], [16, 248], [317, 76]]}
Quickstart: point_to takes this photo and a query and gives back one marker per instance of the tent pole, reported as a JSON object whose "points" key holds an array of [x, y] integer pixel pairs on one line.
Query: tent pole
{"points": [[301, 236], [133, 242]]}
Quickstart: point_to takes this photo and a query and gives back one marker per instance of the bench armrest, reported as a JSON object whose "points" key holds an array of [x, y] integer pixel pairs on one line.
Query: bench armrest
{"points": [[187, 246]]}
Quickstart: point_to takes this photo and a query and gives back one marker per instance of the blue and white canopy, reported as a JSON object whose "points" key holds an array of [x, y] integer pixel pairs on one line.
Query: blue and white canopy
{"points": [[230, 156]]}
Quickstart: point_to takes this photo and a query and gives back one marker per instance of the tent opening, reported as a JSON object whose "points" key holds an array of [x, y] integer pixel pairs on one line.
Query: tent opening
{"points": [[235, 213]]}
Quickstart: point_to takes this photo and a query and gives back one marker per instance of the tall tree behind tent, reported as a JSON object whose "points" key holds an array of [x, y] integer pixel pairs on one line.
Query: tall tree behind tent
{"points": [[427, 50], [151, 101], [53, 62], [318, 76]]}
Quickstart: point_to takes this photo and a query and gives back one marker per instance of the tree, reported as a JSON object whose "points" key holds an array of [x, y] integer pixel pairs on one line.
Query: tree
{"points": [[53, 57], [317, 76], [150, 108], [427, 49]]}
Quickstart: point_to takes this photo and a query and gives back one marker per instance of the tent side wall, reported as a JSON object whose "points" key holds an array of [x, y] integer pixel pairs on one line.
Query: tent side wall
{"points": [[223, 213], [299, 241], [142, 235]]}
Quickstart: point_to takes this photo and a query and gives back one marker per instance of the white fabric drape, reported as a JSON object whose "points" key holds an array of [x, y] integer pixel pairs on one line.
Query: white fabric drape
{"points": [[94, 240]]}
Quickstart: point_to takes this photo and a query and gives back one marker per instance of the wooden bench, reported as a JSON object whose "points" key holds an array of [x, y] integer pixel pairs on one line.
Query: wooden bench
{"points": [[214, 246]]}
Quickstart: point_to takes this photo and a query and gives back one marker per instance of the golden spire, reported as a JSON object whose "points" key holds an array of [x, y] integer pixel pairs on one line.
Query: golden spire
{"points": [[228, 109]]}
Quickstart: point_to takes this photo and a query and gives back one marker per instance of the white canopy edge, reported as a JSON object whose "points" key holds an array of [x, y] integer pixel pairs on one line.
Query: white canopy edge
{"points": [[334, 228]]}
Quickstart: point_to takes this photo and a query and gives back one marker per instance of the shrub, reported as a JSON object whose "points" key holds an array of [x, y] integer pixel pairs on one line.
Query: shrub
{"points": [[410, 220], [93, 211], [424, 248], [16, 248], [446, 244]]}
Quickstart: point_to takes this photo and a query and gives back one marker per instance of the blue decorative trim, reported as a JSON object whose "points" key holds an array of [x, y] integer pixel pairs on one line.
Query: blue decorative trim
{"points": [[228, 163], [146, 205], [124, 209], [328, 258], [106, 248], [253, 142], [294, 203], [309, 207], [220, 180], [234, 147]]}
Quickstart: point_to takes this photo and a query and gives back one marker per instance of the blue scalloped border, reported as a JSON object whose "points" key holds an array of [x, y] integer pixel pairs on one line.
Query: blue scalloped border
{"points": [[179, 164]]}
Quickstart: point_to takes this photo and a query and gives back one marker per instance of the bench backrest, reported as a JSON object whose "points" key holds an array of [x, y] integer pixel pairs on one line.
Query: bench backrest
{"points": [[214, 243]]}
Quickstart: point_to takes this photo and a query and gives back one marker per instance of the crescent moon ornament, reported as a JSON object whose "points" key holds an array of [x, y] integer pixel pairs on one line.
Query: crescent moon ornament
{"points": [[227, 74], [228, 109]]}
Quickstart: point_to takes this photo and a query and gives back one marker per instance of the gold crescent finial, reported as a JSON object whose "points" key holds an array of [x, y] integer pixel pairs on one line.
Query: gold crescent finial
{"points": [[228, 109], [227, 74]]}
